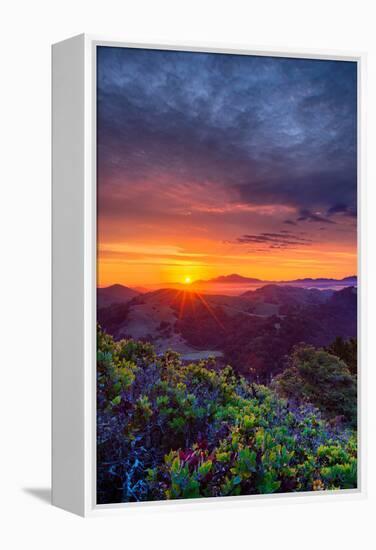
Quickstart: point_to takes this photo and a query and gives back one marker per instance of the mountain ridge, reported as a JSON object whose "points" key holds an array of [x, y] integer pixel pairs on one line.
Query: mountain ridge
{"points": [[236, 278], [256, 329], [116, 293]]}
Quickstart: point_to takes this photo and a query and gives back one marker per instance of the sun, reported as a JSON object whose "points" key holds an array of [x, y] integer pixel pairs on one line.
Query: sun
{"points": [[187, 280]]}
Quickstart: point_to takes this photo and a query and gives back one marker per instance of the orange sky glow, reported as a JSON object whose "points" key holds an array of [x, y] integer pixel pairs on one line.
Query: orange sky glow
{"points": [[199, 240], [218, 164]]}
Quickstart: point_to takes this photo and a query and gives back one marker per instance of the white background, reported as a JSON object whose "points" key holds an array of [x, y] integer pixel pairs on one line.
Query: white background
{"points": [[27, 30]]}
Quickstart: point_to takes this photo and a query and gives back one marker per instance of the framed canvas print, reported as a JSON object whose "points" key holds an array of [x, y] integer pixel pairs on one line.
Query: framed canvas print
{"points": [[206, 275]]}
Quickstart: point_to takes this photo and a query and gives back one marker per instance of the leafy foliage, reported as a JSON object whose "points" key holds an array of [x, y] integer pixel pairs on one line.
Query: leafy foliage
{"points": [[317, 377], [167, 430], [345, 350]]}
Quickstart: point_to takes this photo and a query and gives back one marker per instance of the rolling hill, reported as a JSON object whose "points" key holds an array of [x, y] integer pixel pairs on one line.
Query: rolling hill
{"points": [[253, 331], [115, 294]]}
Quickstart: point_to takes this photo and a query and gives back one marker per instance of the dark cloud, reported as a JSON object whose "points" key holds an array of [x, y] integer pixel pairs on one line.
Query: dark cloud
{"points": [[275, 240], [307, 215], [272, 130], [342, 208]]}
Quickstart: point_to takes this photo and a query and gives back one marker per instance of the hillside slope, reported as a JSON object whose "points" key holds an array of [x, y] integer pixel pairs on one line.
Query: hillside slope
{"points": [[114, 294], [253, 331]]}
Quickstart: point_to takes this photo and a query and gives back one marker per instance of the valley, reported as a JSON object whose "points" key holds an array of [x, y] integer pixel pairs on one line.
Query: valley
{"points": [[253, 331]]}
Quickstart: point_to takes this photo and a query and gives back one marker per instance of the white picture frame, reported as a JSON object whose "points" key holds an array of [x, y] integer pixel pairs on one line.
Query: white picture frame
{"points": [[74, 276]]}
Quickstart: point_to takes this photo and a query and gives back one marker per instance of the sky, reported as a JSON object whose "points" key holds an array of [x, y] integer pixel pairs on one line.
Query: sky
{"points": [[212, 164]]}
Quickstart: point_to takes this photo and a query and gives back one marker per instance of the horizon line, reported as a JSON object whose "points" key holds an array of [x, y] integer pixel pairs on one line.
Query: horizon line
{"points": [[213, 281]]}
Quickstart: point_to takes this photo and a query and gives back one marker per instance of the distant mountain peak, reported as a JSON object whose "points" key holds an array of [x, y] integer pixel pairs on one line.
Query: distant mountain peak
{"points": [[235, 278], [116, 286]]}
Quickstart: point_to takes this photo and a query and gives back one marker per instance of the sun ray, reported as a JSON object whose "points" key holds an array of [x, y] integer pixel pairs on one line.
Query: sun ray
{"points": [[210, 310]]}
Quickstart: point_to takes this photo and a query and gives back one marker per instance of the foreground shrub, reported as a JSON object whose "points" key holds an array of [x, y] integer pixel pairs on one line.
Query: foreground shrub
{"points": [[347, 350], [167, 430], [318, 377]]}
